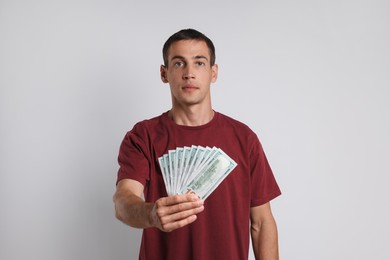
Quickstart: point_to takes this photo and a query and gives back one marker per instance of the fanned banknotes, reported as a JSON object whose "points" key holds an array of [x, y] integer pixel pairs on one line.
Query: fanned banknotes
{"points": [[195, 169]]}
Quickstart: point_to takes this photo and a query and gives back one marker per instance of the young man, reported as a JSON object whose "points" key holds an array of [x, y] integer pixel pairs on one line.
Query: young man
{"points": [[184, 226]]}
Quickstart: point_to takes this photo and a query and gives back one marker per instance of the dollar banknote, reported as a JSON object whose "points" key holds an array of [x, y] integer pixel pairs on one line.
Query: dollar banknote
{"points": [[195, 169]]}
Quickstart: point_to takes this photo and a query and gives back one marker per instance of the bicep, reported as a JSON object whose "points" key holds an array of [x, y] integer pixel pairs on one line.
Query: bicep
{"points": [[261, 213]]}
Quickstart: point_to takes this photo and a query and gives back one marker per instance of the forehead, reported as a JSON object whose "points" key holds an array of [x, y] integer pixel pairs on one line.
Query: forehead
{"points": [[188, 49]]}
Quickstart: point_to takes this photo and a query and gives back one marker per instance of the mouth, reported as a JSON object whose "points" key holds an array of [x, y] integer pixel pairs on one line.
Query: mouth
{"points": [[189, 87]]}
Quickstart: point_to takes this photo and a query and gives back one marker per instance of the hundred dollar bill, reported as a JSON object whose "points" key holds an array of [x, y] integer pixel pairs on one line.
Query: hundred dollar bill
{"points": [[189, 161], [197, 158], [211, 175], [168, 173], [164, 171], [194, 169], [203, 157], [209, 154], [205, 162], [173, 169], [184, 164], [178, 165]]}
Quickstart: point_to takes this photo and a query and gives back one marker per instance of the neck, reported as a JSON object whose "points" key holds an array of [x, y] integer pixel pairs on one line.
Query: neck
{"points": [[191, 116]]}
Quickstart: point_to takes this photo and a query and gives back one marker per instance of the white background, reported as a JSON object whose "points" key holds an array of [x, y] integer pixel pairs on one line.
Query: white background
{"points": [[312, 78]]}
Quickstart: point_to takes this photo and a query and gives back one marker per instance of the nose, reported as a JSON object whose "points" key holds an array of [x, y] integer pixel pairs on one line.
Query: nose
{"points": [[188, 73]]}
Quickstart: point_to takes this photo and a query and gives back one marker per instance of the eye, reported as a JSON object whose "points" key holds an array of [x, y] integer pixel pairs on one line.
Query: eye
{"points": [[200, 63], [179, 64]]}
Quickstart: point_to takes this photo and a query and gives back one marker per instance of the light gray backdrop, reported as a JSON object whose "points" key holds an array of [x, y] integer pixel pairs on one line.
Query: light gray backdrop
{"points": [[312, 78]]}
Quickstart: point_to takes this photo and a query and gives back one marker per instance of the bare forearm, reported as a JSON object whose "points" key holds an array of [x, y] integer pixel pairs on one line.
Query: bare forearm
{"points": [[265, 240], [264, 233], [132, 210], [166, 213]]}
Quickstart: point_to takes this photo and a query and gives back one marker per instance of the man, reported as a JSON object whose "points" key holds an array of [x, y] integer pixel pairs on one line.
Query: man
{"points": [[184, 226]]}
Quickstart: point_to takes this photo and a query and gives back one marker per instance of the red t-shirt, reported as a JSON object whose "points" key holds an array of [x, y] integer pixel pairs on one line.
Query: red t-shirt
{"points": [[221, 231]]}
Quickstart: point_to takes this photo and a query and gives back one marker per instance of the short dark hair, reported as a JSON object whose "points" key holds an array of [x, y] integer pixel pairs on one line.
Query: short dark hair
{"points": [[188, 34]]}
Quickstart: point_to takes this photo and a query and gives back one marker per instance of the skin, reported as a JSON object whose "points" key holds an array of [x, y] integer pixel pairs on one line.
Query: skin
{"points": [[264, 233], [189, 75]]}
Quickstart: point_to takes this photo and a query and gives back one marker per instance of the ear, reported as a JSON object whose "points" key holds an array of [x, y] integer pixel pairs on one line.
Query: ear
{"points": [[214, 73], [163, 74]]}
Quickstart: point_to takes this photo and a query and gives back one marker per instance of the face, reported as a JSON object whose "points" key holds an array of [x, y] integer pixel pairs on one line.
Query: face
{"points": [[189, 73]]}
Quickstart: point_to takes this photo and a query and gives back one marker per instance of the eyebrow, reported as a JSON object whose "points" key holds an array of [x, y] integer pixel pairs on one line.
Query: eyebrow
{"points": [[197, 57]]}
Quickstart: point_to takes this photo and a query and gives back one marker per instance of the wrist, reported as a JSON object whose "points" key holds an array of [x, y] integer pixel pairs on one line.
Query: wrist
{"points": [[152, 218]]}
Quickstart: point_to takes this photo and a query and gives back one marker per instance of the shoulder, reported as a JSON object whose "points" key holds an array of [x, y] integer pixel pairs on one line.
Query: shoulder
{"points": [[234, 123], [148, 124], [239, 131], [144, 131]]}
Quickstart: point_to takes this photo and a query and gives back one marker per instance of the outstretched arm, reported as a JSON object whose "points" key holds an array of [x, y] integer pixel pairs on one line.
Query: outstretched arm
{"points": [[166, 214], [264, 233]]}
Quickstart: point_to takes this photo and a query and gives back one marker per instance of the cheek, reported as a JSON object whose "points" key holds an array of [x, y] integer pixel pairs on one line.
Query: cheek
{"points": [[173, 77]]}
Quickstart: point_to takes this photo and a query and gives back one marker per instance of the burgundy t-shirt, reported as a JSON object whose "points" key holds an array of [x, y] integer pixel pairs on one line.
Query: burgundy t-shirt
{"points": [[221, 231]]}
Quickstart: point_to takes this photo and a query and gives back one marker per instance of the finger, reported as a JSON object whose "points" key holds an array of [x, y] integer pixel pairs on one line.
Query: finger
{"points": [[180, 215], [176, 199], [168, 227], [163, 210]]}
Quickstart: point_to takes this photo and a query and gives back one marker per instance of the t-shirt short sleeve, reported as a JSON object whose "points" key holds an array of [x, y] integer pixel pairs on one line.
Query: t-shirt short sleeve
{"points": [[133, 160], [264, 186]]}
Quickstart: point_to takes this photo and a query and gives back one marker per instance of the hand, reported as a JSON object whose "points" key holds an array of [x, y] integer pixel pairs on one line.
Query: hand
{"points": [[170, 213]]}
